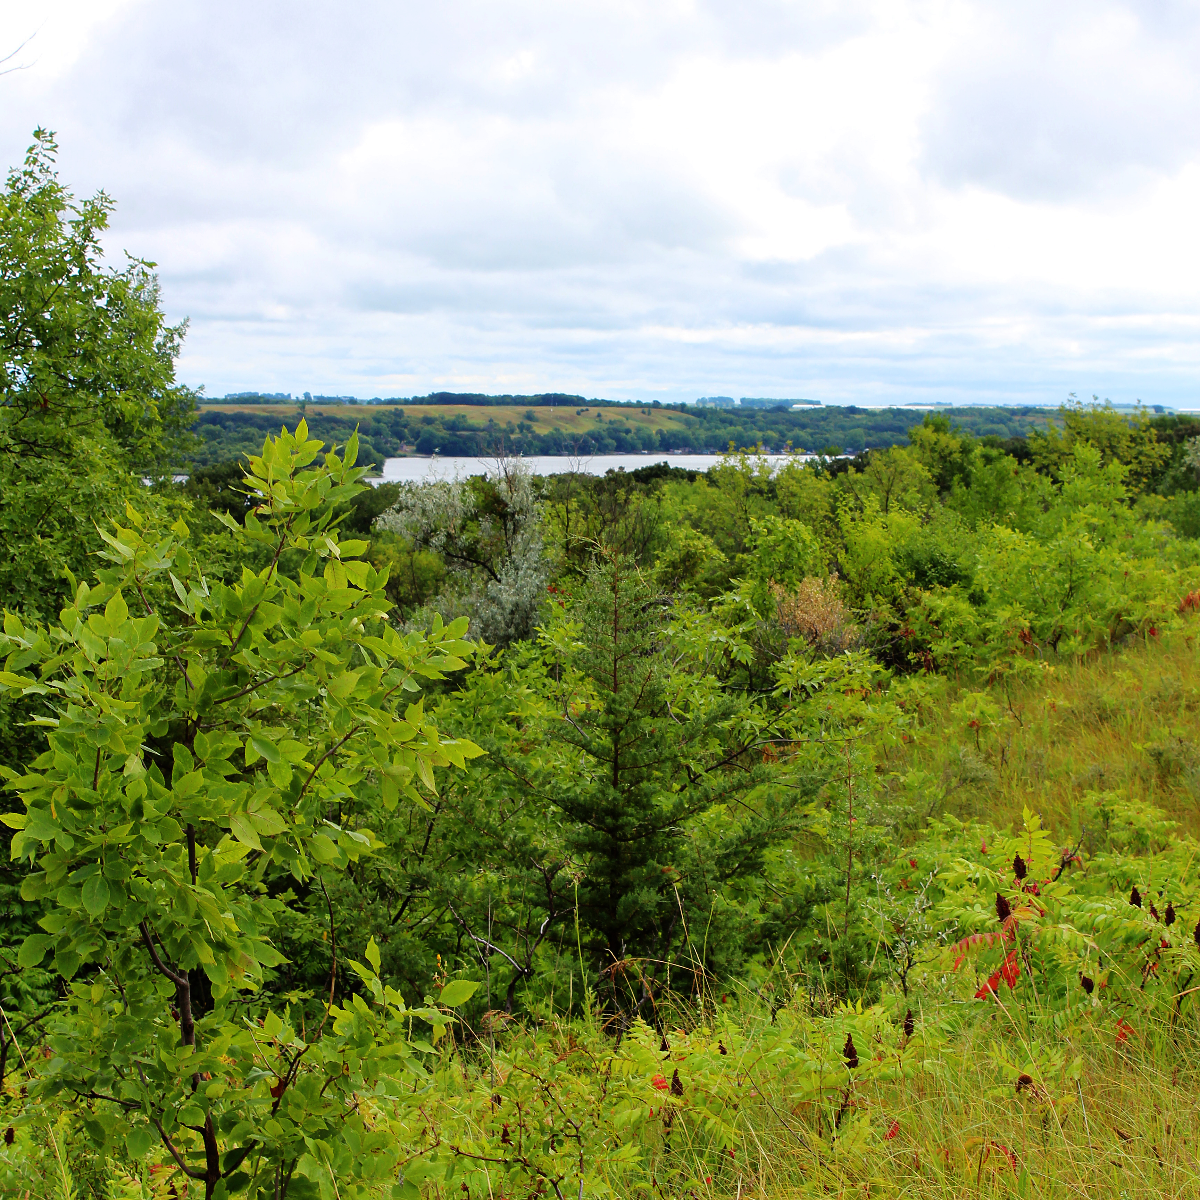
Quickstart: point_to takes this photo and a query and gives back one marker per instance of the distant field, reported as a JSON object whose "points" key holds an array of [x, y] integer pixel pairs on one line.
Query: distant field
{"points": [[545, 419], [468, 428]]}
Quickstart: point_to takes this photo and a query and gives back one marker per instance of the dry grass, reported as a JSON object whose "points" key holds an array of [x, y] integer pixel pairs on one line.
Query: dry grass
{"points": [[1128, 1129]]}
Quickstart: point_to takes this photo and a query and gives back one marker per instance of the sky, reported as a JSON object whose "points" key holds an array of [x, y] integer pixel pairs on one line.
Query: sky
{"points": [[897, 201]]}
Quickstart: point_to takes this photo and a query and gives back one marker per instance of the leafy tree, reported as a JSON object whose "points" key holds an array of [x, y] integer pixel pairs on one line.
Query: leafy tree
{"points": [[207, 745], [893, 479], [805, 493], [88, 405], [945, 452], [88, 398], [1129, 440], [784, 553], [621, 511], [86, 351]]}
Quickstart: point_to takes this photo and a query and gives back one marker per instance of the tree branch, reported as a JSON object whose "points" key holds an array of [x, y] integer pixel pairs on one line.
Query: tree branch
{"points": [[261, 683], [484, 942], [177, 979]]}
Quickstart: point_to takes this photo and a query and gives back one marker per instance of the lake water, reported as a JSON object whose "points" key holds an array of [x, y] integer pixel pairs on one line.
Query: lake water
{"points": [[417, 469]]}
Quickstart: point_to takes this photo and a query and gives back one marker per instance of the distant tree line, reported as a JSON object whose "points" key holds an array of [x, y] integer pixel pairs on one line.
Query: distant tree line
{"points": [[389, 430]]}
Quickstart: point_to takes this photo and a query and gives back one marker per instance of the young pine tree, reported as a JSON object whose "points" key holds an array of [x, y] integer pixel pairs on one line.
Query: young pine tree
{"points": [[650, 749]]}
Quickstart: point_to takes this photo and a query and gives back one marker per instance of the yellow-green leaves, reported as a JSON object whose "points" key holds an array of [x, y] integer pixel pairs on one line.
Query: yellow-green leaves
{"points": [[200, 756], [341, 686], [456, 992]]}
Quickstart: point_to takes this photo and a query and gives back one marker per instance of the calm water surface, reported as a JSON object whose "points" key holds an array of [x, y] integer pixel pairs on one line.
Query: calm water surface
{"points": [[417, 469]]}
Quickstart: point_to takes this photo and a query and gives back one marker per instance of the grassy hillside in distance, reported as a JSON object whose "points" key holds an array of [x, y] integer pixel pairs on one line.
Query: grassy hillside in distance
{"points": [[579, 419], [469, 429]]}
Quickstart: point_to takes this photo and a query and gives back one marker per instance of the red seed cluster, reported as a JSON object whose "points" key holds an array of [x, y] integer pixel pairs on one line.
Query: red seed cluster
{"points": [[849, 1053]]}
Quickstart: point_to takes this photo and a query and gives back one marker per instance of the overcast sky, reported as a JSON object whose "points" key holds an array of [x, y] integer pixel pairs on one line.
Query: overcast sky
{"points": [[891, 201]]}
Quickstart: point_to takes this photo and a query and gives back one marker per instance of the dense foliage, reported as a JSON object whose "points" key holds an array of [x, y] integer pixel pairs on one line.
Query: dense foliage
{"points": [[661, 834]]}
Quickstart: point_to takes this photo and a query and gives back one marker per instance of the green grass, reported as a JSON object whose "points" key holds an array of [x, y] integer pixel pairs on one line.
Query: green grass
{"points": [[1126, 722], [563, 417], [1128, 1126]]}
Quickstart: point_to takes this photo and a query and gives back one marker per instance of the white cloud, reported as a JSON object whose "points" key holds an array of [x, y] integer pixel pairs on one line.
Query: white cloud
{"points": [[894, 198]]}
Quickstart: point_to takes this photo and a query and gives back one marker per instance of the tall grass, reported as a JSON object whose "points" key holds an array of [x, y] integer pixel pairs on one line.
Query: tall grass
{"points": [[1128, 721], [956, 1121]]}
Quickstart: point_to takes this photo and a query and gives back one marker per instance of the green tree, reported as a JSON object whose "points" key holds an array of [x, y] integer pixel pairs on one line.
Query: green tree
{"points": [[784, 553], [207, 747], [88, 398], [88, 406], [658, 770], [945, 452], [1130, 440], [894, 479]]}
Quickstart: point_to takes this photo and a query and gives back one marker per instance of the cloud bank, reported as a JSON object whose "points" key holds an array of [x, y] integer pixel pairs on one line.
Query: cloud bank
{"points": [[851, 201]]}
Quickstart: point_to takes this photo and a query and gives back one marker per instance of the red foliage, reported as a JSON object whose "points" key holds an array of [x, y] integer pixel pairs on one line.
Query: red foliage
{"points": [[972, 940], [1008, 971], [893, 1131], [660, 1083], [1008, 1153]]}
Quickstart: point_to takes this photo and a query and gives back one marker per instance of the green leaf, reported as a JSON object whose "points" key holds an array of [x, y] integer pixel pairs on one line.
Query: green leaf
{"points": [[33, 949], [373, 955], [116, 612], [389, 787], [457, 991], [322, 848], [139, 1140], [267, 821], [280, 773], [239, 825], [191, 1114], [343, 685], [95, 895], [266, 748], [426, 773], [188, 784]]}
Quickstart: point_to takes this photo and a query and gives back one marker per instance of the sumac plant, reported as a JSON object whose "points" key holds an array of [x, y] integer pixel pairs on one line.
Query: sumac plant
{"points": [[204, 745]]}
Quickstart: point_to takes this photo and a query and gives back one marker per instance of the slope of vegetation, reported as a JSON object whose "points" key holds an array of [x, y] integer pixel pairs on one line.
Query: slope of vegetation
{"points": [[474, 426], [825, 831]]}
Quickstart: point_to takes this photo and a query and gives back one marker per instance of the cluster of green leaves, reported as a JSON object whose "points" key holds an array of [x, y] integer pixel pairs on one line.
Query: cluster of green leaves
{"points": [[201, 750], [88, 397], [665, 1111]]}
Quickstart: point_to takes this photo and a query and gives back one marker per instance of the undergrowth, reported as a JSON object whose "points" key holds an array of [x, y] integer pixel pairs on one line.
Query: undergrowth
{"points": [[1041, 1045]]}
